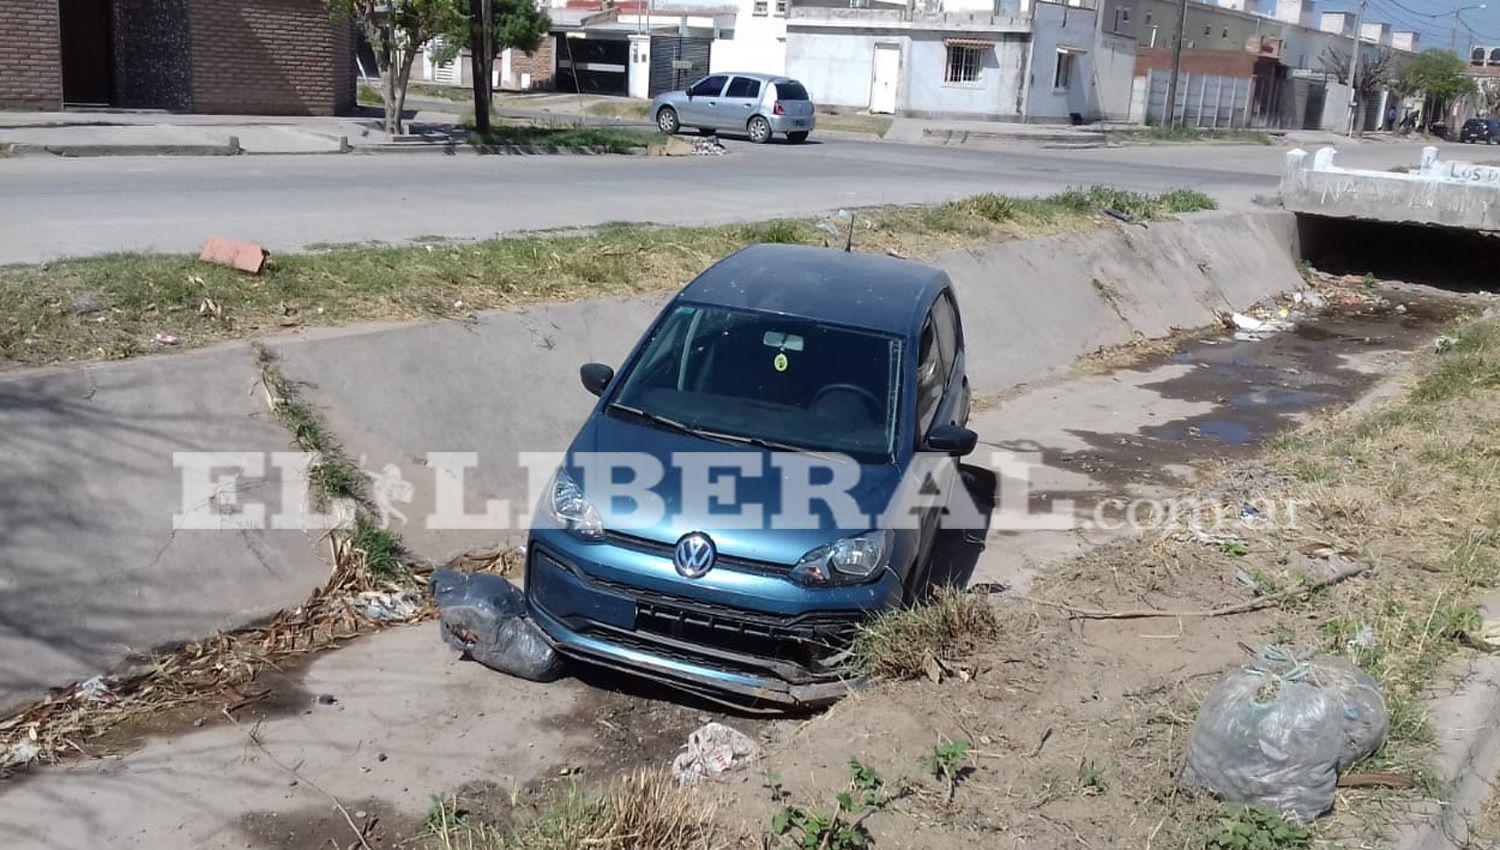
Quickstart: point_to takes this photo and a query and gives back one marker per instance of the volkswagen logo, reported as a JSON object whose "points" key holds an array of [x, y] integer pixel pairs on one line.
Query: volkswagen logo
{"points": [[694, 555]]}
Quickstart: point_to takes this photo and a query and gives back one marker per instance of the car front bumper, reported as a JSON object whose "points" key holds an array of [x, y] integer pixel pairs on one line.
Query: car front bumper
{"points": [[606, 605]]}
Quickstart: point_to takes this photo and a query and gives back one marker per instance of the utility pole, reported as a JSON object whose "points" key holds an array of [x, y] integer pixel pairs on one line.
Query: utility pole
{"points": [[1359, 22], [1171, 109], [481, 62]]}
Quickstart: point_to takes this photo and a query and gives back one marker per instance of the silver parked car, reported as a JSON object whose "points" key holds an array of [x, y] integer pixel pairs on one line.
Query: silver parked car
{"points": [[759, 105]]}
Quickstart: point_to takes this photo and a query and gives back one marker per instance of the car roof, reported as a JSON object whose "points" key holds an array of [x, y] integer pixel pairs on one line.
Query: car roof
{"points": [[846, 288], [755, 75]]}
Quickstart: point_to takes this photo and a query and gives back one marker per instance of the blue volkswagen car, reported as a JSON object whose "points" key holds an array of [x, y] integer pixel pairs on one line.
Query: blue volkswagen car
{"points": [[724, 519]]}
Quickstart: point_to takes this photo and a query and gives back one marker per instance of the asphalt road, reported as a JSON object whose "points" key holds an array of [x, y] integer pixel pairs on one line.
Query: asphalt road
{"points": [[53, 207]]}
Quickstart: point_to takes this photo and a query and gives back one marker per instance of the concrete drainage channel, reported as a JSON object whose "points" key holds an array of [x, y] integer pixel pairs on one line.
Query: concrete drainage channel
{"points": [[1031, 309]]}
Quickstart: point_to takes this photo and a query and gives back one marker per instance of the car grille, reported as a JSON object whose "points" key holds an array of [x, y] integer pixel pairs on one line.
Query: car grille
{"points": [[728, 562], [800, 648]]}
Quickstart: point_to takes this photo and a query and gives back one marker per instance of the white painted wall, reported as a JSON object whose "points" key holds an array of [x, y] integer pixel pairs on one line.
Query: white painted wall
{"points": [[1056, 26], [835, 67], [1339, 23], [755, 42], [995, 95]]}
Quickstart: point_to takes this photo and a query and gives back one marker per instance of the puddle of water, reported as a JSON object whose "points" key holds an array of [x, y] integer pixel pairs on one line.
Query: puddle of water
{"points": [[1257, 389]]}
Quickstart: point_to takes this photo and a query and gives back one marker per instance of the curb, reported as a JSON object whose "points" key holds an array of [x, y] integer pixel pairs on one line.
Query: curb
{"points": [[232, 148]]}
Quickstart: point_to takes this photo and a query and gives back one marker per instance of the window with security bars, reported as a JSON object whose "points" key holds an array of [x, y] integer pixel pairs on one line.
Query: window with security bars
{"points": [[963, 63], [760, 7], [781, 7]]}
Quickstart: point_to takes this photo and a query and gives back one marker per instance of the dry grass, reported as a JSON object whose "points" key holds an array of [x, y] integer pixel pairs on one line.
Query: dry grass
{"points": [[902, 644], [643, 811], [1413, 488], [112, 306]]}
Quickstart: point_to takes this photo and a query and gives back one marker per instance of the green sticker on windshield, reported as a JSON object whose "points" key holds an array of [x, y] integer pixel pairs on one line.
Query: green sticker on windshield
{"points": [[780, 361]]}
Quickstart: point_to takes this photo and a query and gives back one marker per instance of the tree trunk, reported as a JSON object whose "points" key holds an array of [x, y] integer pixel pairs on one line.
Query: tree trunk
{"points": [[407, 59], [392, 111], [478, 54]]}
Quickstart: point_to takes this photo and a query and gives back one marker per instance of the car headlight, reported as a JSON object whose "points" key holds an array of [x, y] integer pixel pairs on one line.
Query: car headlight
{"points": [[569, 509], [847, 561]]}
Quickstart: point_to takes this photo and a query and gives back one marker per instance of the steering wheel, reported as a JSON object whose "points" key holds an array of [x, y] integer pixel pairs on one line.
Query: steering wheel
{"points": [[864, 394]]}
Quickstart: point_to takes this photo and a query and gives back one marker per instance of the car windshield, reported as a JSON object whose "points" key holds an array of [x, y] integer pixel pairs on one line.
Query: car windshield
{"points": [[769, 379]]}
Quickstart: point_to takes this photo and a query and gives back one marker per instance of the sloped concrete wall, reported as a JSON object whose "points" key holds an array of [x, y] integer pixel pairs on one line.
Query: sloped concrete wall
{"points": [[508, 382], [90, 567]]}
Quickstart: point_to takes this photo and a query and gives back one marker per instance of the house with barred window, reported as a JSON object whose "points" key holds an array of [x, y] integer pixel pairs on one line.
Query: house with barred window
{"points": [[1013, 60]]}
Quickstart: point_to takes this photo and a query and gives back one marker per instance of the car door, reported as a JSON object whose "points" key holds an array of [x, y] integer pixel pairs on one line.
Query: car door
{"points": [[700, 109], [740, 99]]}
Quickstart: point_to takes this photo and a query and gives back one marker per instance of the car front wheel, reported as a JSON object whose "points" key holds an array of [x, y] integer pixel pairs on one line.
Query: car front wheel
{"points": [[666, 119], [759, 129]]}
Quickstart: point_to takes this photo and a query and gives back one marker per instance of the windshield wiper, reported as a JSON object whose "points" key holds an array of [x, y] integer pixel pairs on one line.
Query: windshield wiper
{"points": [[718, 436]]}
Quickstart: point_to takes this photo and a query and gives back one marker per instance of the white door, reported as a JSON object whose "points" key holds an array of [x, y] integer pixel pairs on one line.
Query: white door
{"points": [[886, 71]]}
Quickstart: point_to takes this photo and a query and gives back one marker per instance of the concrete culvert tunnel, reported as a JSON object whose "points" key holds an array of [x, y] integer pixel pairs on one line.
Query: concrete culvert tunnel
{"points": [[1450, 258]]}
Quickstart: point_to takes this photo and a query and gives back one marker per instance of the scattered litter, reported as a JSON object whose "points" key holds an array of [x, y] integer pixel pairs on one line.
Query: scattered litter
{"points": [[164, 338], [209, 307], [484, 616], [393, 606], [1400, 309], [1444, 343], [245, 256], [1314, 300], [1277, 733], [20, 754], [1486, 638], [95, 690], [1250, 323], [84, 303], [1249, 512], [710, 146], [327, 699], [712, 749]]}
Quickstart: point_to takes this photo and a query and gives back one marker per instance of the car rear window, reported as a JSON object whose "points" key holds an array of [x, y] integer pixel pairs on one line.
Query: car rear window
{"points": [[1473, 124], [790, 90]]}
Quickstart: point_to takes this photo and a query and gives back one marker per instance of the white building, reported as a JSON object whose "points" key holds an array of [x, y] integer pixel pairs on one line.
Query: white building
{"points": [[1025, 61]]}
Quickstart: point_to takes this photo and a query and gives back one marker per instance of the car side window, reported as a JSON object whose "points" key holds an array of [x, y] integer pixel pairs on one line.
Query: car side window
{"points": [[930, 378], [743, 87], [708, 86], [945, 323]]}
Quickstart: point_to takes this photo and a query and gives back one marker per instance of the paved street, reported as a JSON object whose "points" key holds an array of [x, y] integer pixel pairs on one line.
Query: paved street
{"points": [[54, 207]]}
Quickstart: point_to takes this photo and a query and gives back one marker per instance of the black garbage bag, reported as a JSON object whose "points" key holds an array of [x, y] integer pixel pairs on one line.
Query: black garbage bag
{"points": [[484, 616]]}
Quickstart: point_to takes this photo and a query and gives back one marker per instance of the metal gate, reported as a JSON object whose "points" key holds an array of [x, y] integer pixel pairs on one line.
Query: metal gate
{"points": [[1203, 100], [593, 65], [677, 61]]}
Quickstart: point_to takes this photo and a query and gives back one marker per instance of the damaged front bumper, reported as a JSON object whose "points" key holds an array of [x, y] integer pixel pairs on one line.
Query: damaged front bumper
{"points": [[618, 609]]}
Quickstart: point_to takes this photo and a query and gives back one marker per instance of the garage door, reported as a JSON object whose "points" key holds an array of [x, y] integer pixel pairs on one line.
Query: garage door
{"points": [[677, 61], [593, 65]]}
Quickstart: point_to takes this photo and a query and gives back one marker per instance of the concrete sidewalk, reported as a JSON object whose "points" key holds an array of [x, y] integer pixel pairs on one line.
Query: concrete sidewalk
{"points": [[103, 133]]}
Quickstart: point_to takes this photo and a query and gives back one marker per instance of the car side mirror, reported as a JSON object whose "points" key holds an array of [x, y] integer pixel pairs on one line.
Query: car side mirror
{"points": [[955, 440], [595, 377]]}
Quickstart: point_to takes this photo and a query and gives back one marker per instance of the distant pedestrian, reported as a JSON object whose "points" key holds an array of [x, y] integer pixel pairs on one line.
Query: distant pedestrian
{"points": [[1390, 118]]}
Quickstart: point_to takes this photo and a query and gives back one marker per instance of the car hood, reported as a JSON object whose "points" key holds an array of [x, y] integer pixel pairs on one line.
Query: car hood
{"points": [[604, 433]]}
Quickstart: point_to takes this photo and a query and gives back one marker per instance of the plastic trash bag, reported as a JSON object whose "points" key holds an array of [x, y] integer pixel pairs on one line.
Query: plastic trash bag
{"points": [[712, 749], [1279, 732], [484, 616]]}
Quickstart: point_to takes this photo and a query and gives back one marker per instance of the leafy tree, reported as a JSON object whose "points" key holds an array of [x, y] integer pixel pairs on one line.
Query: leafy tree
{"points": [[519, 24], [1439, 74], [397, 31]]}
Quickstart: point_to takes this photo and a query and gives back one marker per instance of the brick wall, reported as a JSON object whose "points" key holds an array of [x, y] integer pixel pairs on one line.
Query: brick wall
{"points": [[277, 57], [541, 65], [30, 55], [1222, 63]]}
